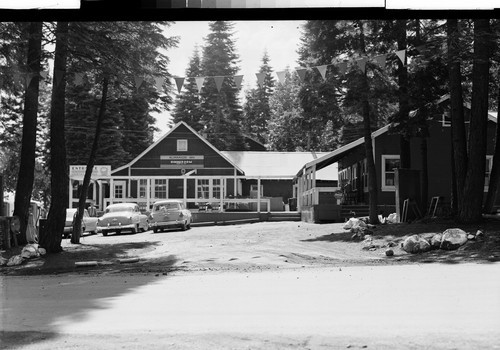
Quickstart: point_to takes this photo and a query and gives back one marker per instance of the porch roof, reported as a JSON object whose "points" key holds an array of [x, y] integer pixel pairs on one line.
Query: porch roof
{"points": [[277, 164]]}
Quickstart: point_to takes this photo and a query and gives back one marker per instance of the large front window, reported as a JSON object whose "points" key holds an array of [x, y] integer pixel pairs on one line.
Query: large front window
{"points": [[209, 188], [389, 164], [160, 188]]}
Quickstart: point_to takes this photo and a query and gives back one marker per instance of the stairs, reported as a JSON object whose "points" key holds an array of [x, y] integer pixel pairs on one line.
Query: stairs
{"points": [[357, 210], [284, 216]]}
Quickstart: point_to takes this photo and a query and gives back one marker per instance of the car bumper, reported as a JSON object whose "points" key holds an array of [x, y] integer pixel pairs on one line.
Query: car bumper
{"points": [[166, 223], [116, 228]]}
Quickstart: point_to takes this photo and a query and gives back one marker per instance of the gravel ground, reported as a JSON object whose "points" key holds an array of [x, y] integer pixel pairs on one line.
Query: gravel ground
{"points": [[253, 247]]}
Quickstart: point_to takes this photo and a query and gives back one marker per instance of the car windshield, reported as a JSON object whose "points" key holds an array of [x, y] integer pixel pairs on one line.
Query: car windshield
{"points": [[116, 208], [166, 206]]}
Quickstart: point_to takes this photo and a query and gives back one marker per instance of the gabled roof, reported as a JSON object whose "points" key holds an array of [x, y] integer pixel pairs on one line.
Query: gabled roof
{"points": [[164, 137], [277, 165]]}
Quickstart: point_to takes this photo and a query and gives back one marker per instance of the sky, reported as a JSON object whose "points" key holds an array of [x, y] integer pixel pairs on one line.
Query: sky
{"points": [[280, 38]]}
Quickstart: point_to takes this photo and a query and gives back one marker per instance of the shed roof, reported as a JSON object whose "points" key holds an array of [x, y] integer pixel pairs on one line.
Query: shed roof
{"points": [[334, 156], [279, 165]]}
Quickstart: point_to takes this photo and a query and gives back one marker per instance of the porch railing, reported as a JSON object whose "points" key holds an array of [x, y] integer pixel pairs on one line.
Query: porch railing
{"points": [[218, 204], [311, 197]]}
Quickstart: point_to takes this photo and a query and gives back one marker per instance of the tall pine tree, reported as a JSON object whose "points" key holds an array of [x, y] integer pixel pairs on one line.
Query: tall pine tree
{"points": [[187, 105], [220, 105], [256, 109]]}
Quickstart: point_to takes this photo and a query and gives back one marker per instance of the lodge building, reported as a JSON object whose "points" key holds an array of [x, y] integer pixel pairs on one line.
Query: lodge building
{"points": [[182, 164]]}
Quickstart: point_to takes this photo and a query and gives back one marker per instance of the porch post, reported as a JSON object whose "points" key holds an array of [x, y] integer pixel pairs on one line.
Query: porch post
{"points": [[148, 192], [111, 191], [184, 191], [258, 195], [235, 185], [70, 205], [222, 192], [315, 193]]}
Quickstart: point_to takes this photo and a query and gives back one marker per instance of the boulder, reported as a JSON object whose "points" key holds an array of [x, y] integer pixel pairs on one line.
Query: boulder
{"points": [[453, 238], [436, 240], [471, 237], [416, 244], [389, 252], [15, 260], [354, 223]]}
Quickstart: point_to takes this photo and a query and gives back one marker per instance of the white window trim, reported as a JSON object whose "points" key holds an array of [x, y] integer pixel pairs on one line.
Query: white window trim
{"points": [[154, 189], [122, 183], [385, 187], [182, 145], [139, 188]]}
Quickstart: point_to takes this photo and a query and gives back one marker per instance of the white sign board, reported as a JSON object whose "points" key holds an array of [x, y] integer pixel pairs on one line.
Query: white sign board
{"points": [[77, 172]]}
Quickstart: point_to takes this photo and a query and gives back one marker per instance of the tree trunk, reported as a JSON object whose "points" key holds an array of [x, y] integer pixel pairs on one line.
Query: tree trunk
{"points": [[457, 111], [495, 168], [404, 108], [59, 181], [77, 223], [25, 178], [367, 132], [471, 209]]}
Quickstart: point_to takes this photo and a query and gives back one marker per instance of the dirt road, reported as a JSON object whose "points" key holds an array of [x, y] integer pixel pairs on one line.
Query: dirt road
{"points": [[381, 307], [275, 285]]}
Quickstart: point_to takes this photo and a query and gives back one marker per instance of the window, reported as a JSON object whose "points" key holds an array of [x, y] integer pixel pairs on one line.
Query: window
{"points": [[354, 176], [389, 163], [182, 145], [364, 174], [119, 189], [253, 190], [489, 164], [160, 188], [143, 185], [209, 188], [216, 188], [203, 188]]}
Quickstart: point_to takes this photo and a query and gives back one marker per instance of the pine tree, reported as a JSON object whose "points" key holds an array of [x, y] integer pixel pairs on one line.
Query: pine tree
{"points": [[221, 110], [285, 125], [187, 105], [256, 109]]}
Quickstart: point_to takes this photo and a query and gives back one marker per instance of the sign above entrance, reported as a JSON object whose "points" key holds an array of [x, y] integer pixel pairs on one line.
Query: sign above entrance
{"points": [[77, 172], [182, 162]]}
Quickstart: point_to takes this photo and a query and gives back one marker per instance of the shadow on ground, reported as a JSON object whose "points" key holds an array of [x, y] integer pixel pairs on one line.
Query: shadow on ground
{"points": [[107, 256], [390, 236]]}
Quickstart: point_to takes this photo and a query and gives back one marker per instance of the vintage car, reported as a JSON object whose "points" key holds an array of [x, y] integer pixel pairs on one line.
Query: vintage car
{"points": [[89, 223], [169, 213], [122, 217]]}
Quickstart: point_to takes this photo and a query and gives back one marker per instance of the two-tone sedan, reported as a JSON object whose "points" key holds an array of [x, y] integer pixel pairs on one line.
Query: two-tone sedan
{"points": [[122, 217], [169, 213]]}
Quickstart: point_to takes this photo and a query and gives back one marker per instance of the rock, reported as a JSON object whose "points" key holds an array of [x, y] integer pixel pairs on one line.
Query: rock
{"points": [[453, 238], [436, 240], [471, 237], [389, 252], [3, 261], [416, 244], [15, 260], [479, 234], [42, 251], [354, 223], [392, 244]]}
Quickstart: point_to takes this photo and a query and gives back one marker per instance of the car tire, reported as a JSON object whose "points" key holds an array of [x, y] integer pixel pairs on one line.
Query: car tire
{"points": [[184, 226], [104, 233], [155, 230]]}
